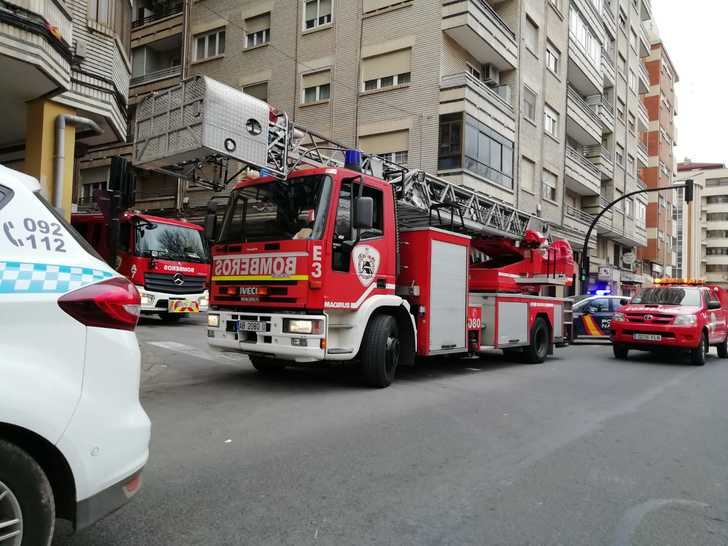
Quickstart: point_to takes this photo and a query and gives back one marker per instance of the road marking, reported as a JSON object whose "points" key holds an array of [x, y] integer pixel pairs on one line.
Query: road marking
{"points": [[189, 350], [633, 517]]}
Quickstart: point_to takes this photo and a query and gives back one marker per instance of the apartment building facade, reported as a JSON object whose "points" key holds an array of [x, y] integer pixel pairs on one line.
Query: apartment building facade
{"points": [[704, 250], [157, 51], [61, 58], [536, 102], [659, 257]]}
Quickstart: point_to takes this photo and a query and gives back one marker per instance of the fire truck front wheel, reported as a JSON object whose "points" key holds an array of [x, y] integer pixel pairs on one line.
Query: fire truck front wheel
{"points": [[380, 351], [171, 317], [723, 348], [267, 365], [620, 350], [697, 355], [536, 351]]}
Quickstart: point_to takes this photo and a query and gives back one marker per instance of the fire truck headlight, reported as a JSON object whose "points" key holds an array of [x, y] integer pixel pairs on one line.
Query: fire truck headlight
{"points": [[203, 301], [146, 299], [213, 321], [685, 320], [301, 326]]}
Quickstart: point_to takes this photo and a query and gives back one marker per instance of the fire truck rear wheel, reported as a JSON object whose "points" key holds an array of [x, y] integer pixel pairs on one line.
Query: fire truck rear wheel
{"points": [[697, 355], [267, 365], [538, 349], [723, 348], [380, 351]]}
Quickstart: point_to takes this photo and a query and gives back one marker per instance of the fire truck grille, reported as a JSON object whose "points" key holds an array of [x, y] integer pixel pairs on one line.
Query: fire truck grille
{"points": [[173, 284]]}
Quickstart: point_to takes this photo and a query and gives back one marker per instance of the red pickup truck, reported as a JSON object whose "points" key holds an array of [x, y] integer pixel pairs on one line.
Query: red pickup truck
{"points": [[680, 315]]}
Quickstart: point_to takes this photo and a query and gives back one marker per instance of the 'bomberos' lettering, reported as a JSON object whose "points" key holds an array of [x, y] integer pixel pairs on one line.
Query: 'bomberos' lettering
{"points": [[242, 266]]}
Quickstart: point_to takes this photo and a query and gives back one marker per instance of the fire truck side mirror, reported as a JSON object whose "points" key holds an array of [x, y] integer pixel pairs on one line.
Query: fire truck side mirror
{"points": [[363, 212], [713, 305], [211, 225]]}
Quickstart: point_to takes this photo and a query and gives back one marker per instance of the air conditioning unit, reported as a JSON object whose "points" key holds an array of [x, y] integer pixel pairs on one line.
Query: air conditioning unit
{"points": [[491, 75]]}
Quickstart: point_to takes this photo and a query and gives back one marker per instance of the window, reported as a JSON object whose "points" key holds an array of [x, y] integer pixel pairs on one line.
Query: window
{"points": [[449, 150], [529, 104], [633, 38], [257, 30], [620, 109], [530, 35], [488, 153], [316, 87], [629, 207], [391, 146], [632, 122], [316, 13], [621, 64], [88, 192], [553, 58], [548, 185], [712, 182], [619, 154], [718, 234], [550, 121], [387, 70], [556, 4], [617, 195], [257, 90], [210, 44], [622, 20], [632, 80], [343, 228], [631, 168], [582, 34], [474, 72], [717, 216], [528, 174], [717, 199], [115, 15]]}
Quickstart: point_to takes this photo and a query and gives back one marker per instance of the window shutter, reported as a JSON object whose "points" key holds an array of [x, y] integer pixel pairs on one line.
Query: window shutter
{"points": [[396, 141], [388, 64], [257, 23], [371, 5], [317, 78]]}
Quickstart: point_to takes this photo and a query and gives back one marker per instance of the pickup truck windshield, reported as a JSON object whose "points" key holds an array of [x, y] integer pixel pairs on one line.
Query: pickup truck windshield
{"points": [[278, 210], [673, 295], [170, 242]]}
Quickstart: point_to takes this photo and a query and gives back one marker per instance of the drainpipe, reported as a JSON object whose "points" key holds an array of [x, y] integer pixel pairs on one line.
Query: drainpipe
{"points": [[59, 153]]}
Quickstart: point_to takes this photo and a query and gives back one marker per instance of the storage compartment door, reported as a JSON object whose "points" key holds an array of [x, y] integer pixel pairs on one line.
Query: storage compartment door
{"points": [[448, 296], [512, 323]]}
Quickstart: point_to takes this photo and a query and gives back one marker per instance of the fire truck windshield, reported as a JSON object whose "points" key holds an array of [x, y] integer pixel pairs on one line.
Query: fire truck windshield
{"points": [[171, 242], [278, 210], [673, 295]]}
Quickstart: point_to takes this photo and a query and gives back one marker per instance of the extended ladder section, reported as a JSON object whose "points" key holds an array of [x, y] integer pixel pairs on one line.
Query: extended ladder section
{"points": [[204, 131]]}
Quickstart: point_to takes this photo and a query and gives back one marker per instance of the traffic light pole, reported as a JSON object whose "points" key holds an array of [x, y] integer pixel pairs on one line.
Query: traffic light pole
{"points": [[584, 263]]}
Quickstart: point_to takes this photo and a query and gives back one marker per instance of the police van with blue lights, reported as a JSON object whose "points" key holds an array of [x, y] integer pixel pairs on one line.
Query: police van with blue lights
{"points": [[73, 435]]}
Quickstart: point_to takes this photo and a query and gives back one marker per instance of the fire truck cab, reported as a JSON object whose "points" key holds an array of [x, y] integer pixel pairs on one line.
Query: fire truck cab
{"points": [[674, 314], [167, 259]]}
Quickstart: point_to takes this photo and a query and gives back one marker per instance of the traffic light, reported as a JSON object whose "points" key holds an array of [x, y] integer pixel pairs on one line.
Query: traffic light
{"points": [[689, 191], [584, 270]]}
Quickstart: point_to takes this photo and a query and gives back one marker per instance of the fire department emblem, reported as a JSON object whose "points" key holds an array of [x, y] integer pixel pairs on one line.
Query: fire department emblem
{"points": [[366, 262]]}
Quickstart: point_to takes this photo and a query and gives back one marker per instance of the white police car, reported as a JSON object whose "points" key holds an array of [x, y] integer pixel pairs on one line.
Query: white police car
{"points": [[73, 435]]}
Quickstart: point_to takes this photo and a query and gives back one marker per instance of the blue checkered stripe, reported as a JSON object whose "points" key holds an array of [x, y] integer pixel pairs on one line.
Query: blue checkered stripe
{"points": [[30, 278]]}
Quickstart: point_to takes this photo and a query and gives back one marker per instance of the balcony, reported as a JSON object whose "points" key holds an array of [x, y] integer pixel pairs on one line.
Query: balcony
{"points": [[602, 158], [645, 47], [162, 74], [642, 154], [608, 71], [478, 28], [582, 73], [594, 206], [577, 220], [464, 93], [644, 79], [582, 176], [161, 11], [642, 117], [604, 111], [610, 22], [582, 123], [645, 10]]}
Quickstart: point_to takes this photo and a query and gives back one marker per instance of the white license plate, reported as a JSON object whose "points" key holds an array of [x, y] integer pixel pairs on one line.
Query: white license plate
{"points": [[647, 337], [251, 326]]}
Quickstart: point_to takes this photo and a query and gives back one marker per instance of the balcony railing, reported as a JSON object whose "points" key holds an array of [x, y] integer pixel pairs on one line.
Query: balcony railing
{"points": [[156, 75], [607, 58], [579, 214], [165, 10], [644, 73], [641, 146], [497, 18], [582, 160], [457, 80], [583, 105]]}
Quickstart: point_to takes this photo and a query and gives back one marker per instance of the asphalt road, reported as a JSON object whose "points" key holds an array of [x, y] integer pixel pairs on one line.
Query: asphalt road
{"points": [[582, 450]]}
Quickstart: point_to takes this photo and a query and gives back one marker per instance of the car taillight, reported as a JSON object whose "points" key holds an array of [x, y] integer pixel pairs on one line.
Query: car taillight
{"points": [[108, 304]]}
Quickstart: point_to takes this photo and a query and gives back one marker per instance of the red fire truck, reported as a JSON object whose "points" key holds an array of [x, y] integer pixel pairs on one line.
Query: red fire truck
{"points": [[338, 256], [166, 259]]}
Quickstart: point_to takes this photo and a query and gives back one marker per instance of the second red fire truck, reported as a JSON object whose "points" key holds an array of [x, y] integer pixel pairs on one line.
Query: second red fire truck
{"points": [[336, 256]]}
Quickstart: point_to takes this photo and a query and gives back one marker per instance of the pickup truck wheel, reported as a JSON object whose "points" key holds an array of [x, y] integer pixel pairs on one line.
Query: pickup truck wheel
{"points": [[723, 348], [697, 355], [380, 351], [620, 350], [27, 507], [267, 365], [537, 350]]}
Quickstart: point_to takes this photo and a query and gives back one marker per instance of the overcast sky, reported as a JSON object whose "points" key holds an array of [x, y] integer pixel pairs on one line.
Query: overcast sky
{"points": [[694, 34]]}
